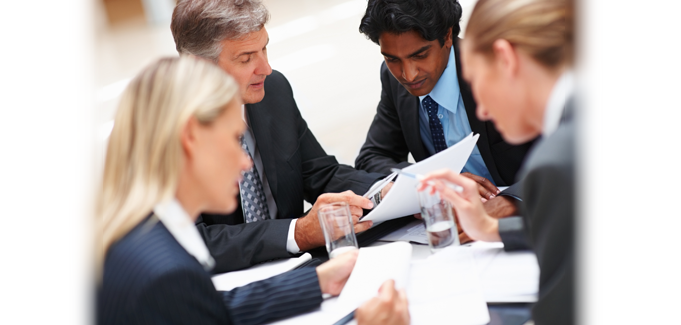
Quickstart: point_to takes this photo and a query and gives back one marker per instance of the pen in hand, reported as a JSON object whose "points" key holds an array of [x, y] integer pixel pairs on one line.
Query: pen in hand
{"points": [[420, 178]]}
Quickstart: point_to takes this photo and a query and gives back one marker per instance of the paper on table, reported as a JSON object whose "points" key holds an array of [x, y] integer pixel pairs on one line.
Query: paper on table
{"points": [[413, 232], [230, 280], [506, 276], [445, 289], [402, 200], [374, 266]]}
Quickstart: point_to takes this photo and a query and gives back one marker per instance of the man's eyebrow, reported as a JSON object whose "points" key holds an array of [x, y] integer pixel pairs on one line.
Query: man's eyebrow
{"points": [[250, 52], [419, 51]]}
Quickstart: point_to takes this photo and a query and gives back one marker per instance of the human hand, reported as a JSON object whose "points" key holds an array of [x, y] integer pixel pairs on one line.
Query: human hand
{"points": [[386, 189], [498, 207], [308, 232], [487, 190], [389, 307], [334, 273], [474, 220]]}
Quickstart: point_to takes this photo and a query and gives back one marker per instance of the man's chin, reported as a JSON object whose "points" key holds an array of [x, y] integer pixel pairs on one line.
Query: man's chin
{"points": [[253, 97]]}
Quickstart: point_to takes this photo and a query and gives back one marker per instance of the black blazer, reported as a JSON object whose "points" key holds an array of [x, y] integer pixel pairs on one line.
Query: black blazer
{"points": [[395, 132], [297, 169], [148, 278], [548, 210]]}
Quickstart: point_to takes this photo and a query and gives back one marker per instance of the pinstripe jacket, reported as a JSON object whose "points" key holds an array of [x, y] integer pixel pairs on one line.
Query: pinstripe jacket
{"points": [[149, 278]]}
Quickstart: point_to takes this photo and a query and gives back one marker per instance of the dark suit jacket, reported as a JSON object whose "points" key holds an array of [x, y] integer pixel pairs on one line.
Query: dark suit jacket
{"points": [[297, 169], [548, 210], [395, 132], [148, 278]]}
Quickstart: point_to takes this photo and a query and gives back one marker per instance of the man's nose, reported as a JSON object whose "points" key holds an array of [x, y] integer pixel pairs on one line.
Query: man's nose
{"points": [[263, 67], [409, 72]]}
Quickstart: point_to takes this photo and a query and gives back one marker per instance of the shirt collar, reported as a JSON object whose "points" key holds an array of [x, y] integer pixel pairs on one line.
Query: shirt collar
{"points": [[446, 91], [180, 225], [556, 103]]}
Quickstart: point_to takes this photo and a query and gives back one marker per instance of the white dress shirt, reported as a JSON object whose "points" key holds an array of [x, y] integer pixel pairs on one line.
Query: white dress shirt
{"points": [[291, 245], [556, 104], [180, 225]]}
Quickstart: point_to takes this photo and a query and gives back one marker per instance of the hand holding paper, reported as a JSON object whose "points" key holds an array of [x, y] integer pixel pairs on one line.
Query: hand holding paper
{"points": [[402, 199]]}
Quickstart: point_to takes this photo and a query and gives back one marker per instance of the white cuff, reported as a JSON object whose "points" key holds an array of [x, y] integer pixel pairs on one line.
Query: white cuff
{"points": [[291, 245]]}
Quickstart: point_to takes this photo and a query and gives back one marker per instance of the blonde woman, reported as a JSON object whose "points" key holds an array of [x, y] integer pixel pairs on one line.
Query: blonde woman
{"points": [[174, 152], [517, 56]]}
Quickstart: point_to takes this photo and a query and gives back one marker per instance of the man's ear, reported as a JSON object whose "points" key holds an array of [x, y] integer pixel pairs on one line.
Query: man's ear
{"points": [[188, 136], [506, 57], [448, 38]]}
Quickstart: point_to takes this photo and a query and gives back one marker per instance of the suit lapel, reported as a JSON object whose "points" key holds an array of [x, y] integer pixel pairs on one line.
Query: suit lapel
{"points": [[261, 124], [477, 126]]}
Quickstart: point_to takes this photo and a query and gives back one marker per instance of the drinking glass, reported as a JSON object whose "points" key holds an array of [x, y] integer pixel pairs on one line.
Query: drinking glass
{"points": [[339, 233], [439, 219]]}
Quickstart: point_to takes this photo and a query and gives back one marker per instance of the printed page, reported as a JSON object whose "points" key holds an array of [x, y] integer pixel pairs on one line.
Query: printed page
{"points": [[402, 199]]}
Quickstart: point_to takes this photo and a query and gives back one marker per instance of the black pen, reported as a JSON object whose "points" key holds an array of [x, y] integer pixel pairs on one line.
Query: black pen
{"points": [[346, 319]]}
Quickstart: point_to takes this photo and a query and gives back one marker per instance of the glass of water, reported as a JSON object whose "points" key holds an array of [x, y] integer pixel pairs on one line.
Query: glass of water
{"points": [[339, 232], [439, 219]]}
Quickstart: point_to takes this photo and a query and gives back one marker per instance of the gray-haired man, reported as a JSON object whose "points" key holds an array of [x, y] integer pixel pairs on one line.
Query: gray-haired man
{"points": [[289, 164]]}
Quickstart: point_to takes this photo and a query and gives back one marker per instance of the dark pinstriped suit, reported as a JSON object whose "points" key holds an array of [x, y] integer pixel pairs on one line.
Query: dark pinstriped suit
{"points": [[149, 278]]}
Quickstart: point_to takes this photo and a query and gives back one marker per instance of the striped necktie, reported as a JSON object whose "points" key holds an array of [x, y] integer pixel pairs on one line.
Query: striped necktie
{"points": [[253, 200]]}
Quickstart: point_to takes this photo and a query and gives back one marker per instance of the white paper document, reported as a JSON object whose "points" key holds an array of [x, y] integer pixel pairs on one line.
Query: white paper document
{"points": [[402, 199], [374, 266], [445, 289], [506, 276], [413, 232], [230, 280]]}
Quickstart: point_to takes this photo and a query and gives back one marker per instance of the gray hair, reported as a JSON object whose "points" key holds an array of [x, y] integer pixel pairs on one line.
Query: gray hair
{"points": [[198, 26]]}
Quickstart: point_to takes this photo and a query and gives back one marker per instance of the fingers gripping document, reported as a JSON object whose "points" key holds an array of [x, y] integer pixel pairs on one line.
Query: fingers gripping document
{"points": [[402, 200]]}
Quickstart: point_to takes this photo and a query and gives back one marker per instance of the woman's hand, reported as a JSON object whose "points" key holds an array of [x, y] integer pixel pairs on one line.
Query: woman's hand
{"points": [[335, 273], [389, 307], [469, 209]]}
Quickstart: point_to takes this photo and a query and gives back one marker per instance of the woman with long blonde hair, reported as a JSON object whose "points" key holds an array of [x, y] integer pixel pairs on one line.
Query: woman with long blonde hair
{"points": [[174, 152], [517, 55]]}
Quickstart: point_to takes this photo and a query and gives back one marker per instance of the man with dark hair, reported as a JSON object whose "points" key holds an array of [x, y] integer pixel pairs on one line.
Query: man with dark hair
{"points": [[426, 106]]}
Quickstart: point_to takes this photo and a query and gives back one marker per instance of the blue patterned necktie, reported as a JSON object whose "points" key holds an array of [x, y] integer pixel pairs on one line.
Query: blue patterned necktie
{"points": [[253, 200], [436, 132]]}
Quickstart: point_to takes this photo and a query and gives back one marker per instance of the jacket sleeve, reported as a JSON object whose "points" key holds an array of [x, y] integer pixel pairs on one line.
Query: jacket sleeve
{"points": [[237, 247], [285, 295], [385, 146], [549, 213], [180, 296]]}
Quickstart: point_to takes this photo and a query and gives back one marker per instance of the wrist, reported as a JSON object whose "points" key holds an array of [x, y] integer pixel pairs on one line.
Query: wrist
{"points": [[300, 235], [488, 230]]}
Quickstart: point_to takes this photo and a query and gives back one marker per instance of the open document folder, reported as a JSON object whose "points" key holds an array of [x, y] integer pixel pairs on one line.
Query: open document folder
{"points": [[402, 199]]}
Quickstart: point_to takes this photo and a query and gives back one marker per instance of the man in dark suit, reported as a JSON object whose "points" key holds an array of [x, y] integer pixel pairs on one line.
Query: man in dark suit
{"points": [[426, 105], [289, 164]]}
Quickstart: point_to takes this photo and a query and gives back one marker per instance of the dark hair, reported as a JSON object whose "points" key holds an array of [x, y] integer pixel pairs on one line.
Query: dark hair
{"points": [[430, 18]]}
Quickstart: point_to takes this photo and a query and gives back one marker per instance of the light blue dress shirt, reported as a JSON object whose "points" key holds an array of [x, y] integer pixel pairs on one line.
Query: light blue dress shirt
{"points": [[452, 115]]}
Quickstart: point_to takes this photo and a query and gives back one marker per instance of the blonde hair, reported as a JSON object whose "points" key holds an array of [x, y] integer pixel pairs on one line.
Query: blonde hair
{"points": [[541, 28], [144, 154]]}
